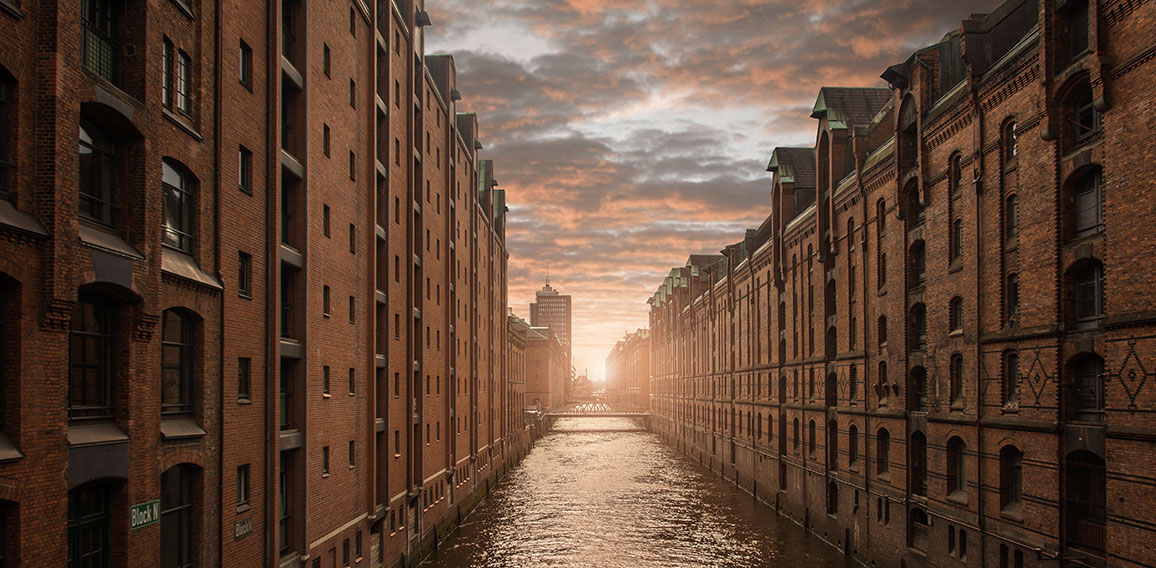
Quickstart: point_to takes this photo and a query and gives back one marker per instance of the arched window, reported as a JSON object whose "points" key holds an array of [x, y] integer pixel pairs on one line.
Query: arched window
{"points": [[1088, 216], [917, 390], [881, 331], [1011, 378], [918, 322], [179, 518], [179, 206], [92, 359], [1085, 497], [917, 257], [177, 362], [1011, 216], [955, 174], [1083, 117], [1011, 479], [918, 463], [811, 442], [7, 134], [955, 379], [882, 389], [880, 218], [956, 468], [98, 175], [916, 209], [908, 148], [882, 452], [832, 445], [955, 313], [832, 390], [853, 446], [1012, 297], [881, 277], [1085, 374], [917, 529], [956, 239], [1087, 290], [796, 437], [1010, 144], [851, 233]]}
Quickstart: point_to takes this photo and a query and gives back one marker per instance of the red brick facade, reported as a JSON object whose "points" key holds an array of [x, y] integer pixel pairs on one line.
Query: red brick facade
{"points": [[937, 349], [269, 292], [628, 371]]}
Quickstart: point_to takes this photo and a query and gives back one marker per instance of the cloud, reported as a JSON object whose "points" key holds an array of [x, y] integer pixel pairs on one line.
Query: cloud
{"points": [[631, 134]]}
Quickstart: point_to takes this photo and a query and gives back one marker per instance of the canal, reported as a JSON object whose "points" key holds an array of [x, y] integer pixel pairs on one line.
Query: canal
{"points": [[600, 492]]}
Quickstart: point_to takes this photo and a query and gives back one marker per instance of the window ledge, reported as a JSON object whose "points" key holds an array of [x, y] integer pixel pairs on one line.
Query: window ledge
{"points": [[1013, 512], [185, 8], [184, 266], [958, 497], [324, 475], [326, 395], [8, 451], [95, 434], [955, 333], [244, 401], [180, 429], [104, 239], [183, 123], [11, 9], [17, 219], [242, 508]]}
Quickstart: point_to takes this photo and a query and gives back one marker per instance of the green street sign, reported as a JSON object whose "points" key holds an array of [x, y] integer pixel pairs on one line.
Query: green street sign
{"points": [[144, 514]]}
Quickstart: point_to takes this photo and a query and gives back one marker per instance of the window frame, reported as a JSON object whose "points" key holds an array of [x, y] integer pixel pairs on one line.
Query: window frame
{"points": [[178, 225], [184, 369], [185, 512], [104, 316], [101, 192]]}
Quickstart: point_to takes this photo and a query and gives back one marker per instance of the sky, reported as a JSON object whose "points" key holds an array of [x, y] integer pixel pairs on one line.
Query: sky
{"points": [[631, 134]]}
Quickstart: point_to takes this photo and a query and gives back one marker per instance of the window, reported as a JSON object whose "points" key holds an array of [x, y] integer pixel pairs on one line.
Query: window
{"points": [[100, 47], [7, 135], [352, 23], [882, 269], [1084, 116], [918, 327], [179, 206], [325, 220], [177, 363], [1011, 378], [916, 208], [352, 455], [325, 461], [1010, 144], [956, 468], [917, 390], [1011, 216], [853, 446], [811, 438], [1086, 380], [357, 545], [955, 314], [325, 379], [1088, 292], [1011, 479], [245, 170], [352, 238], [242, 485], [325, 138], [245, 66], [1089, 203], [325, 58], [167, 51], [1075, 16], [352, 309], [955, 174], [918, 259], [352, 381], [1012, 296], [325, 300], [882, 452], [956, 239], [882, 331], [184, 86], [179, 544], [880, 217], [88, 527], [98, 199], [917, 528], [955, 380], [91, 363], [1085, 500], [397, 94], [244, 274], [917, 447], [345, 552], [244, 377], [352, 165], [352, 93]]}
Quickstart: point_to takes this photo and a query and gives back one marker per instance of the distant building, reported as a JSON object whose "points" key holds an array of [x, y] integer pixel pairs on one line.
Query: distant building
{"points": [[547, 369], [552, 310], [628, 371]]}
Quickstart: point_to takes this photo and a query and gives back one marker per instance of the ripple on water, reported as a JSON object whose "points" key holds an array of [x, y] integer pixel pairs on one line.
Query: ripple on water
{"points": [[598, 492]]}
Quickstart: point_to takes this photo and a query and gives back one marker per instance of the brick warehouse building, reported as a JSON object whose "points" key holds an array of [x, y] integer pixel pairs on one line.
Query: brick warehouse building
{"points": [[938, 348], [259, 318], [628, 371]]}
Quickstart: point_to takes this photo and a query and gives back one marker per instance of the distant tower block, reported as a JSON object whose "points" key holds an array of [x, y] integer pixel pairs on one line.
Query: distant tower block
{"points": [[552, 310]]}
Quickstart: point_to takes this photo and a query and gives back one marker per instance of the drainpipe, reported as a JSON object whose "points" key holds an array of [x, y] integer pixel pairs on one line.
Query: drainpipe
{"points": [[218, 81], [977, 186]]}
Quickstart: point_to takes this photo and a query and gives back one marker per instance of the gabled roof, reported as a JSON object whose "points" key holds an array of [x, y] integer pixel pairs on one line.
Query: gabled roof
{"points": [[794, 165], [845, 107]]}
